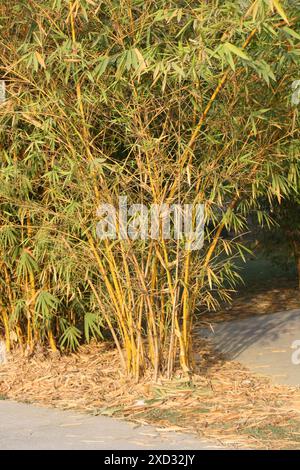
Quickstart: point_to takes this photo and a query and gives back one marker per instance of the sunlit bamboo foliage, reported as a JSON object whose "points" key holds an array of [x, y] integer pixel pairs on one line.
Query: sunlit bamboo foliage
{"points": [[161, 101]]}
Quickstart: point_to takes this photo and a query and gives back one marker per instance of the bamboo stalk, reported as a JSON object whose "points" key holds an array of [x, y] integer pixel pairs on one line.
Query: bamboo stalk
{"points": [[52, 342], [117, 343], [6, 329]]}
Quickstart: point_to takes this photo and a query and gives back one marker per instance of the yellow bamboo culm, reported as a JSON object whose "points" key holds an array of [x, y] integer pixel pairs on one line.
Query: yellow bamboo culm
{"points": [[6, 329], [52, 342]]}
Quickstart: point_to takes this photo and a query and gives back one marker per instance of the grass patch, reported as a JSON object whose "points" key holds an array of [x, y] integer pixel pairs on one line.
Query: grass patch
{"points": [[170, 416], [288, 433]]}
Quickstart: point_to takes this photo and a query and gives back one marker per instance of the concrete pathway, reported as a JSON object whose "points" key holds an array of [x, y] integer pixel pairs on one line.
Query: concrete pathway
{"points": [[267, 344], [31, 427]]}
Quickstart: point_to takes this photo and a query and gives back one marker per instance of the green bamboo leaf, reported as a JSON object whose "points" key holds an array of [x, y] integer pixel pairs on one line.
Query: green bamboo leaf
{"points": [[46, 303], [70, 338], [101, 66], [278, 7], [91, 326], [140, 59], [237, 51], [291, 32]]}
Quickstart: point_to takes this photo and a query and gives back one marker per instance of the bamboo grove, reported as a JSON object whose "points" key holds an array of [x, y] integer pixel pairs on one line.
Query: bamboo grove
{"points": [[176, 102]]}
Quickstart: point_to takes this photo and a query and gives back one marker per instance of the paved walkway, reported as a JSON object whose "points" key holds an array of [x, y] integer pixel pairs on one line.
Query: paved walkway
{"points": [[31, 427], [267, 344]]}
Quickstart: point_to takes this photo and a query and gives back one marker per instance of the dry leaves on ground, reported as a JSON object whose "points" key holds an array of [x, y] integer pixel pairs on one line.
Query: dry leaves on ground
{"points": [[224, 400]]}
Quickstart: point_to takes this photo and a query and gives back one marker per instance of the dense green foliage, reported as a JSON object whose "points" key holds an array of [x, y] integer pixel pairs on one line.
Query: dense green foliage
{"points": [[281, 241], [164, 101]]}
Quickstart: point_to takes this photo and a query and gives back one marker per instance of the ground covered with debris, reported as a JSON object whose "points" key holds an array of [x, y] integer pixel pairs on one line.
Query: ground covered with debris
{"points": [[256, 300], [223, 400]]}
